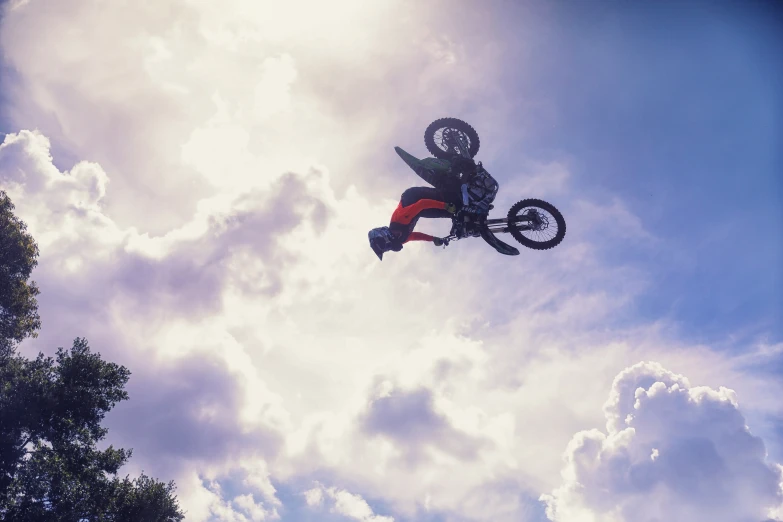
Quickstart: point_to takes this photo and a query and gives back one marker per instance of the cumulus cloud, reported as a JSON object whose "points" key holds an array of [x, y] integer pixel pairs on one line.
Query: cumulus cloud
{"points": [[26, 162], [215, 243], [254, 511], [256, 357], [671, 451], [66, 215], [342, 502], [205, 500], [182, 101], [186, 413]]}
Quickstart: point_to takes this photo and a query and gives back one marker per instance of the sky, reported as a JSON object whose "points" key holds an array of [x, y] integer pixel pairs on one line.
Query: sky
{"points": [[200, 179]]}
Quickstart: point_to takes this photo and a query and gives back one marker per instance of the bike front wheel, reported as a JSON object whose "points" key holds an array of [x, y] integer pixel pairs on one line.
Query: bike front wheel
{"points": [[536, 224]]}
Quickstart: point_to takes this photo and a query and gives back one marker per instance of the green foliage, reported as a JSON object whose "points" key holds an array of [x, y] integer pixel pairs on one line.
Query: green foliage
{"points": [[50, 466], [145, 499], [51, 411], [18, 256]]}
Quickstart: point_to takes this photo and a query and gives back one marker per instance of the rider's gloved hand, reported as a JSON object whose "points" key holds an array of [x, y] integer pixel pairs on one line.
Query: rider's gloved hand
{"points": [[474, 210]]}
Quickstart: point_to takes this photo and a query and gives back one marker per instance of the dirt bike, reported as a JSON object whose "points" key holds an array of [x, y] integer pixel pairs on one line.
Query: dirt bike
{"points": [[534, 223]]}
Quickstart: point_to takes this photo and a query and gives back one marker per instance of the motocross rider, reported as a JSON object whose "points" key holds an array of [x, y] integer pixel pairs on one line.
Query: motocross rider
{"points": [[459, 187]]}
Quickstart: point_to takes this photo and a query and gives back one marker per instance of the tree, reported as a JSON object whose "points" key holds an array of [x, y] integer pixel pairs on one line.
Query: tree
{"points": [[51, 469], [18, 256], [50, 466]]}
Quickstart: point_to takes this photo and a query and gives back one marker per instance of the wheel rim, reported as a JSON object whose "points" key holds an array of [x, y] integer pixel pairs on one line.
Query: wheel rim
{"points": [[444, 135], [543, 224]]}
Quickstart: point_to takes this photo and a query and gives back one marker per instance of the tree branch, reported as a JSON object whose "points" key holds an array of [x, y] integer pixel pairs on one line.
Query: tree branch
{"points": [[25, 443]]}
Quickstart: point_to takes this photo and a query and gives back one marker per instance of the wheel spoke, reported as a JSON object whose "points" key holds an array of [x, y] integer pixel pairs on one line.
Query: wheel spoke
{"points": [[542, 226], [536, 224], [441, 135]]}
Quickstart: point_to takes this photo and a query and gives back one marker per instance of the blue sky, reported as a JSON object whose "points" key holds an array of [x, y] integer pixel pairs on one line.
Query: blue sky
{"points": [[201, 124], [674, 107]]}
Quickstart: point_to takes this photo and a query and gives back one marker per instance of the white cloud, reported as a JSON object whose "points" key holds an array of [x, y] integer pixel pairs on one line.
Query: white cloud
{"points": [[185, 100], [252, 339], [205, 500], [442, 50], [216, 244], [344, 503], [314, 497], [671, 451], [254, 510]]}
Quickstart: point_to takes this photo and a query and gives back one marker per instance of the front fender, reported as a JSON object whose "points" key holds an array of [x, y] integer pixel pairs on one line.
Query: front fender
{"points": [[497, 244]]}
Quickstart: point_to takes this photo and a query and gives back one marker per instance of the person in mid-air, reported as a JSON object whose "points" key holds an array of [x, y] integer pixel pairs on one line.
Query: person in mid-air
{"points": [[459, 185]]}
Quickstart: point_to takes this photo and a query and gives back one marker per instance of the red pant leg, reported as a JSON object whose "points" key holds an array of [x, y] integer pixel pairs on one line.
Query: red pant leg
{"points": [[404, 215], [419, 236]]}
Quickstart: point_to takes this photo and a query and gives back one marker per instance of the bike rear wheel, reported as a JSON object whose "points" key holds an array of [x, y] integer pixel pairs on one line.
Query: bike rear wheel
{"points": [[536, 224], [436, 137]]}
